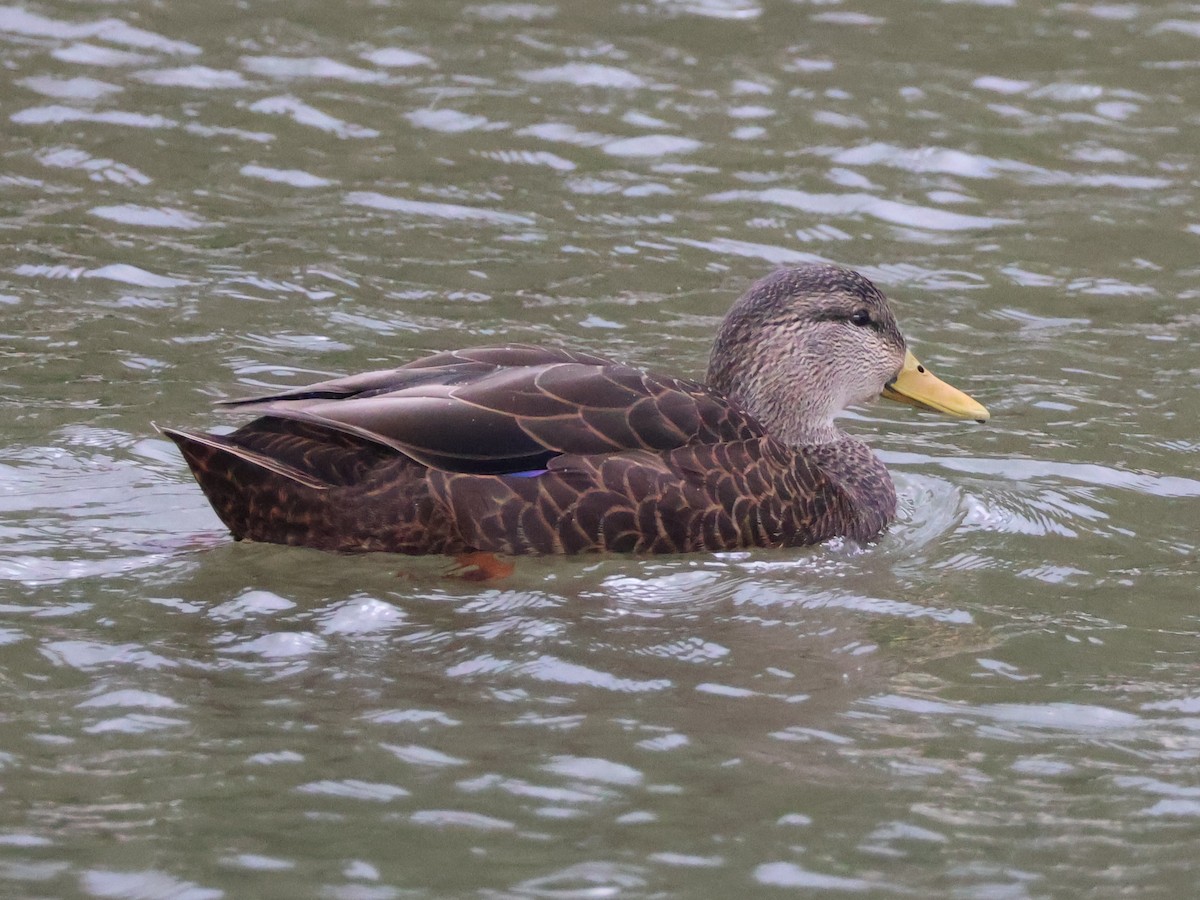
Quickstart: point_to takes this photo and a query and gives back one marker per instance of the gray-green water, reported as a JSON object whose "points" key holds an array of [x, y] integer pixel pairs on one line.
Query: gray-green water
{"points": [[1000, 699]]}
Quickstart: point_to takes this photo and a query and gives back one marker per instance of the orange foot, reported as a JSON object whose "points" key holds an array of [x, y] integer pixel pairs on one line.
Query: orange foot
{"points": [[480, 566]]}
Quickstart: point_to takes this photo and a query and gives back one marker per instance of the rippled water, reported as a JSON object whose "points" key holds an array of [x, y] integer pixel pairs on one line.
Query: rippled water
{"points": [[999, 699]]}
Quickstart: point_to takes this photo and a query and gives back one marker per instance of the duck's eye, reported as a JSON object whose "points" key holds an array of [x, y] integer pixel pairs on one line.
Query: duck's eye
{"points": [[861, 318]]}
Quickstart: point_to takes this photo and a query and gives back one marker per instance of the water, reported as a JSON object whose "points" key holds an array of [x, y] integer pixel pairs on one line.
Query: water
{"points": [[999, 699]]}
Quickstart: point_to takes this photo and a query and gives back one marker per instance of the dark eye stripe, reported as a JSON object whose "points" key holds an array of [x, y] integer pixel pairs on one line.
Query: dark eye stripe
{"points": [[852, 318]]}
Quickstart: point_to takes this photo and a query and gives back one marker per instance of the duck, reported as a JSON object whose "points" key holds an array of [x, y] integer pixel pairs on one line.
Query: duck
{"points": [[523, 449]]}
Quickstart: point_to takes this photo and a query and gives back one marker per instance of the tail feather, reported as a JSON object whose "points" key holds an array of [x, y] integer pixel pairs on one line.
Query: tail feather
{"points": [[190, 442], [284, 482], [257, 497]]}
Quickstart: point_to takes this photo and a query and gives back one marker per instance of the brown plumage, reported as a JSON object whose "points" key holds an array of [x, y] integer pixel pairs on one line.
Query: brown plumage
{"points": [[524, 449]]}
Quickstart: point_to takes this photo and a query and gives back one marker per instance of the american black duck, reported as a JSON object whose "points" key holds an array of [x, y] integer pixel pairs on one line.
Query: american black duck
{"points": [[523, 449]]}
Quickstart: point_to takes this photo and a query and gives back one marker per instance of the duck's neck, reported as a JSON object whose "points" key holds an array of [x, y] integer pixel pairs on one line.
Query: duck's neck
{"points": [[812, 434], [798, 420], [760, 370]]}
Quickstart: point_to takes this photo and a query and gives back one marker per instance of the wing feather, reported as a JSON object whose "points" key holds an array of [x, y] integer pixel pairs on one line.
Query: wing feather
{"points": [[495, 410]]}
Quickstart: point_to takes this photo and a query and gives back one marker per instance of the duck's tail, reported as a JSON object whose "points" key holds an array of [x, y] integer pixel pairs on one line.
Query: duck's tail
{"points": [[255, 495], [199, 448], [288, 482]]}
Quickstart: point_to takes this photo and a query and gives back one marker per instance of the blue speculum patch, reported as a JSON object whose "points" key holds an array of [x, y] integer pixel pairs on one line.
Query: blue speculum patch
{"points": [[532, 473]]}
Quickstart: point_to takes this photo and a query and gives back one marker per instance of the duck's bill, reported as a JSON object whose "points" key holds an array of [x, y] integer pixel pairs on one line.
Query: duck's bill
{"points": [[917, 386]]}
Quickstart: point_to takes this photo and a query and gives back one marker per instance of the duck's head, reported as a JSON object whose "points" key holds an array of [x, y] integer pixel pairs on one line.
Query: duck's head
{"points": [[803, 344]]}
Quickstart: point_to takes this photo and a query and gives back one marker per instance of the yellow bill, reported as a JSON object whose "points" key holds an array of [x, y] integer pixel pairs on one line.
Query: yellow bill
{"points": [[917, 386]]}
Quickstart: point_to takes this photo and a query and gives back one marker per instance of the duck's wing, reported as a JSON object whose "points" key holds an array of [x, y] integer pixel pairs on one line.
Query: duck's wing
{"points": [[511, 409], [448, 368]]}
